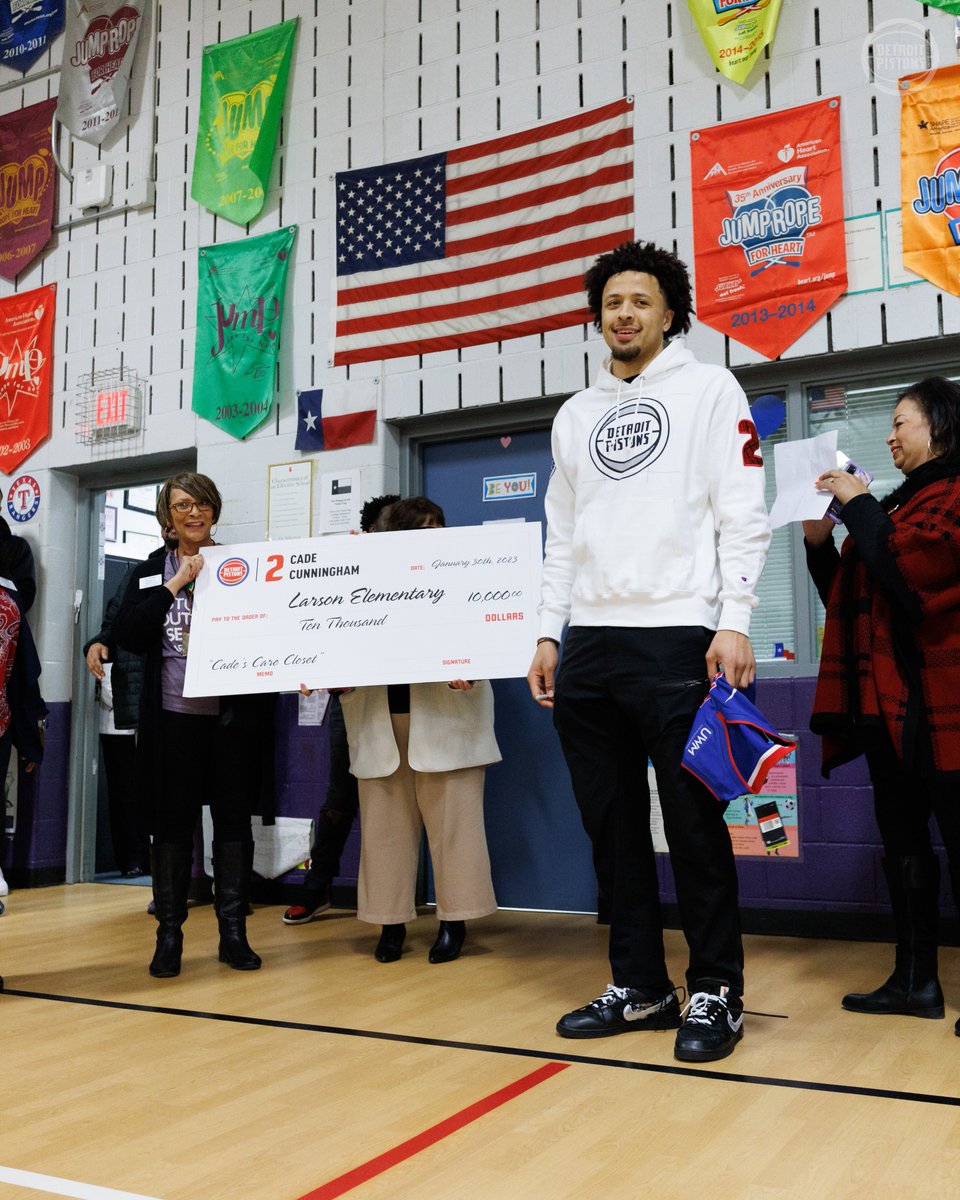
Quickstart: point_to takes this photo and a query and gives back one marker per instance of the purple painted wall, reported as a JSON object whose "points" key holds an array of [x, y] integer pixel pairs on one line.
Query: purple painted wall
{"points": [[302, 773], [838, 871], [837, 874], [38, 852]]}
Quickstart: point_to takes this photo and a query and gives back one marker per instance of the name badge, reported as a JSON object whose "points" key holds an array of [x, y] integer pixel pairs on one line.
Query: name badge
{"points": [[151, 581]]}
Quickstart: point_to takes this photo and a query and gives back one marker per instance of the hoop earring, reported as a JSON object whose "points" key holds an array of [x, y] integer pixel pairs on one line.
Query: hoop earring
{"points": [[213, 529]]}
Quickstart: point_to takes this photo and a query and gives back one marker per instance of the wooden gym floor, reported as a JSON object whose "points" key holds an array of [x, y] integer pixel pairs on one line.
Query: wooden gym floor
{"points": [[328, 1074]]}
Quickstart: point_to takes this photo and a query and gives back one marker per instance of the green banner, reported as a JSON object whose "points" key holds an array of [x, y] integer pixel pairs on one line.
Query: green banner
{"points": [[948, 6], [735, 32], [241, 98], [239, 316]]}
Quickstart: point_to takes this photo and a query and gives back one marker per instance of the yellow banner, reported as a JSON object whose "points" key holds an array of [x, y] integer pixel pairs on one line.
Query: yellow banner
{"points": [[930, 175], [735, 32]]}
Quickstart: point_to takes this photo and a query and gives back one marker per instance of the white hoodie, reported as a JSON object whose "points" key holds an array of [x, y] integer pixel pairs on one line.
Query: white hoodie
{"points": [[655, 509]]}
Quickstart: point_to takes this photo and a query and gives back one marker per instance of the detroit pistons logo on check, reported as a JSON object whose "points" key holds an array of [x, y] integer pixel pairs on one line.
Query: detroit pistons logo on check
{"points": [[629, 437], [232, 572]]}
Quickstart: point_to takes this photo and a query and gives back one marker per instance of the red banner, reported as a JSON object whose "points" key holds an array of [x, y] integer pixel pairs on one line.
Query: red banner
{"points": [[26, 373], [28, 180], [768, 229]]}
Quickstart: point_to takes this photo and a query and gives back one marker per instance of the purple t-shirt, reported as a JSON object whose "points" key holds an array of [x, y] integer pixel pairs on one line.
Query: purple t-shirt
{"points": [[176, 629]]}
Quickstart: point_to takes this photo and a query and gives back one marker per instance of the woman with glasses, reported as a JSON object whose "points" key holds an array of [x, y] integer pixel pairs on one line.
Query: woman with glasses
{"points": [[192, 751]]}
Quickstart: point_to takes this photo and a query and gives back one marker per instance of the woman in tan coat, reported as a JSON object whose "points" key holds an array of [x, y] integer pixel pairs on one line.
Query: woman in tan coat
{"points": [[419, 752]]}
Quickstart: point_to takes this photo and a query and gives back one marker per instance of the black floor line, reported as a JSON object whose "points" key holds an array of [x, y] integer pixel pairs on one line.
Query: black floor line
{"points": [[514, 1051]]}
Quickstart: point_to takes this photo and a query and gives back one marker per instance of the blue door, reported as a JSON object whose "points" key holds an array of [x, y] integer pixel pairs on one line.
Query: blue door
{"points": [[540, 854]]}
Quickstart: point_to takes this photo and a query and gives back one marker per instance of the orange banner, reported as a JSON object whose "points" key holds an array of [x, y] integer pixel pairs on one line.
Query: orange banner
{"points": [[930, 175], [26, 373], [768, 224]]}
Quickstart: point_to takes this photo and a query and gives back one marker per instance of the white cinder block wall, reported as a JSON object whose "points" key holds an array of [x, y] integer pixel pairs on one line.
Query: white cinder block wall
{"points": [[377, 80]]}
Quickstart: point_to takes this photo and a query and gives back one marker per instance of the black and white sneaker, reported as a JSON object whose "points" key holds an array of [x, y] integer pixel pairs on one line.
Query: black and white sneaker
{"points": [[712, 1026], [621, 1010]]}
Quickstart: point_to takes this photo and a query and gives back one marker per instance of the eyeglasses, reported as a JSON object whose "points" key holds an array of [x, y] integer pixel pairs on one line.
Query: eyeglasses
{"points": [[184, 506]]}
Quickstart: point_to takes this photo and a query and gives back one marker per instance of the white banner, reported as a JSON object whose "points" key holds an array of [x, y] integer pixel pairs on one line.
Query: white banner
{"points": [[99, 43], [408, 607]]}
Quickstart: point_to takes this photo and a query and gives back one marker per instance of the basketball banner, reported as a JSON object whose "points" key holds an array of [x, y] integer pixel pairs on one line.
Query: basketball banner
{"points": [[26, 373], [28, 186], [768, 230], [239, 316], [930, 175]]}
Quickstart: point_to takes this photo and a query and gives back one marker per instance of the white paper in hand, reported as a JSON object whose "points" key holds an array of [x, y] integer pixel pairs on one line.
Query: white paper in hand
{"points": [[797, 465]]}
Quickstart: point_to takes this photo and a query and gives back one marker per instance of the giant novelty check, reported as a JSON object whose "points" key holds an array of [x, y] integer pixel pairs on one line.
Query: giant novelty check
{"points": [[408, 607]]}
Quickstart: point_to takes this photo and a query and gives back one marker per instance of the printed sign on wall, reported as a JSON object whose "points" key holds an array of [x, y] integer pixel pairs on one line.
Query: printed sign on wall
{"points": [[768, 229], [510, 487], [26, 374], [23, 499]]}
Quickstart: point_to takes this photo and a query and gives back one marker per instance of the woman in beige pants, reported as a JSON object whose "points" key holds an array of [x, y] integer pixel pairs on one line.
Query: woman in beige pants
{"points": [[419, 752], [422, 769]]}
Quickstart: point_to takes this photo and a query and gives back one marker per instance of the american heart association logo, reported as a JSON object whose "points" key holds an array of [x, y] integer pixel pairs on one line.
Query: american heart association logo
{"points": [[785, 153]]}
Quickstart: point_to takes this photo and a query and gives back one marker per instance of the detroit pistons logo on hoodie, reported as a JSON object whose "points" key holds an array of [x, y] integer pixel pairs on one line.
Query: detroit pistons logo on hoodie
{"points": [[629, 437]]}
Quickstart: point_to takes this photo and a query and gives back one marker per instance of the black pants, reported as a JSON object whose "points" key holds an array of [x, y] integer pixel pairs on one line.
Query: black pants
{"points": [[208, 763], [130, 843], [904, 802], [623, 695], [339, 808]]}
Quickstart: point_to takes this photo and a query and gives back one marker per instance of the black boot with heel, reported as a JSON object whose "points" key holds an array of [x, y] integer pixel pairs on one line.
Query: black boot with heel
{"points": [[913, 989], [232, 864], [390, 946], [171, 880], [449, 942]]}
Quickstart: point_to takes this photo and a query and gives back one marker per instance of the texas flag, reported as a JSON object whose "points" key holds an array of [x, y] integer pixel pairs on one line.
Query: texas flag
{"points": [[341, 418]]}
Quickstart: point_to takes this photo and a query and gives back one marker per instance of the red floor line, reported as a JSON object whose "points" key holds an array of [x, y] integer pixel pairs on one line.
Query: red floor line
{"points": [[429, 1137]]}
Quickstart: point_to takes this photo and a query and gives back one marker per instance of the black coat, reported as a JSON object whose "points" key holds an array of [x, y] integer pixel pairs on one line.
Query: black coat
{"points": [[126, 679], [28, 711], [138, 627], [16, 564]]}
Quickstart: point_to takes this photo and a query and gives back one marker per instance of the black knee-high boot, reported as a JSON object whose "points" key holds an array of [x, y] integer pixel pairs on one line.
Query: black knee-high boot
{"points": [[914, 988], [232, 863], [171, 879]]}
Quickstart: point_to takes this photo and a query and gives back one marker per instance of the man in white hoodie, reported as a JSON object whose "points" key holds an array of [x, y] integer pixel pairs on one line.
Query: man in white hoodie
{"points": [[656, 536]]}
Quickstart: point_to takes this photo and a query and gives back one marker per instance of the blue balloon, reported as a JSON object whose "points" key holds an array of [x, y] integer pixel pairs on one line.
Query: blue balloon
{"points": [[769, 412]]}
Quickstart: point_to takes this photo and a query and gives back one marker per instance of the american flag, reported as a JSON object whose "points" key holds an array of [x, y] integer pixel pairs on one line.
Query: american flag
{"points": [[481, 243], [827, 399]]}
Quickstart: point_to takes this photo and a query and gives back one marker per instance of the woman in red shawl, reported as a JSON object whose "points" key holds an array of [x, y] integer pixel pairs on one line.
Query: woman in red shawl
{"points": [[889, 681]]}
